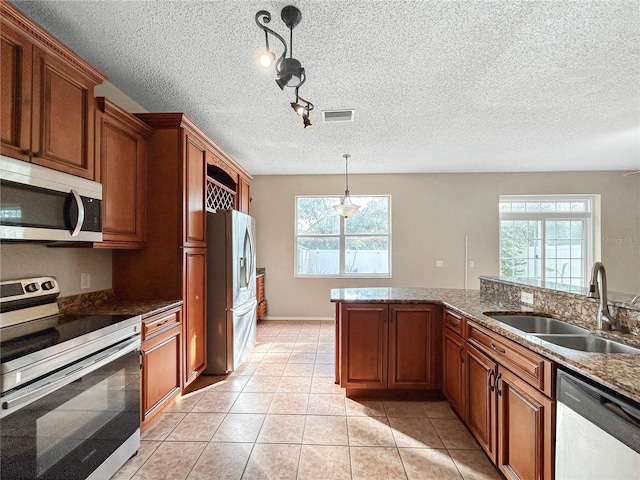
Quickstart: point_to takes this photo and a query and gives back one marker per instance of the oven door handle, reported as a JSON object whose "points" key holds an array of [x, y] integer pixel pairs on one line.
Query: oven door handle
{"points": [[74, 372]]}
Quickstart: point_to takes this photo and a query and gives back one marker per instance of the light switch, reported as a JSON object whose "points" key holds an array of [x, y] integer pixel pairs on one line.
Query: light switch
{"points": [[439, 263], [85, 280]]}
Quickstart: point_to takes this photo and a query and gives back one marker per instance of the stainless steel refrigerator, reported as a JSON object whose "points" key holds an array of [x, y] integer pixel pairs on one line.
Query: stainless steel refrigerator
{"points": [[231, 283]]}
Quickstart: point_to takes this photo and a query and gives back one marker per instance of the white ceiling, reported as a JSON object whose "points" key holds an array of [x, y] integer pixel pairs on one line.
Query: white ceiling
{"points": [[437, 86]]}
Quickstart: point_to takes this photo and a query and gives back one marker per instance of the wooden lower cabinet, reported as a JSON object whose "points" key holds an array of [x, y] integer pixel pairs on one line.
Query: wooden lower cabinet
{"points": [[512, 420], [388, 346], [195, 328], [161, 362], [454, 371], [525, 429], [481, 415]]}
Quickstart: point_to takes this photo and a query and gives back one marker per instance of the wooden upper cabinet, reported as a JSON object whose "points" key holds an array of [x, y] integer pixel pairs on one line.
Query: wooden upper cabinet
{"points": [[243, 197], [47, 96], [15, 102], [195, 174], [121, 149]]}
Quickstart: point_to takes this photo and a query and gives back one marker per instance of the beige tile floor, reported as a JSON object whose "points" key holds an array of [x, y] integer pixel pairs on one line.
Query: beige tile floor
{"points": [[280, 415]]}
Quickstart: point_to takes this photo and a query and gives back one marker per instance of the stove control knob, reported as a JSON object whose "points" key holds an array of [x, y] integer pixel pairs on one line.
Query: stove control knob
{"points": [[48, 285], [31, 287]]}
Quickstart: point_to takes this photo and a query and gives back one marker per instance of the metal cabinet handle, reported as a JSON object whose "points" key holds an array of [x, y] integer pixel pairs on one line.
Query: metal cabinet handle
{"points": [[491, 384], [495, 347], [461, 347], [499, 384]]}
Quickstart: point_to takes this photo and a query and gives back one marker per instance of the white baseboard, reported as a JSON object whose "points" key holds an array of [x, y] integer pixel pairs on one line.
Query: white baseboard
{"points": [[269, 317]]}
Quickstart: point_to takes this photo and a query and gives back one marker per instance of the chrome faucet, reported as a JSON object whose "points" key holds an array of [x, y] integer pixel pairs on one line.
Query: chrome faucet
{"points": [[604, 320]]}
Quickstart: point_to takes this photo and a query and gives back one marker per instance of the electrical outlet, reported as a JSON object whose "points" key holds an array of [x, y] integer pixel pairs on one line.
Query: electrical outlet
{"points": [[472, 264], [526, 297], [439, 263], [85, 280]]}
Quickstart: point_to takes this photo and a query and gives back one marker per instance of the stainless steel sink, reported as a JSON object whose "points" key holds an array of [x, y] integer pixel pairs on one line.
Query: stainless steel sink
{"points": [[563, 334], [543, 325], [589, 343]]}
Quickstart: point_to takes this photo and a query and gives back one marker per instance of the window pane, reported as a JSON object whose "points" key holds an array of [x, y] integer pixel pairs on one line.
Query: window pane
{"points": [[318, 256], [367, 255], [317, 216], [372, 217]]}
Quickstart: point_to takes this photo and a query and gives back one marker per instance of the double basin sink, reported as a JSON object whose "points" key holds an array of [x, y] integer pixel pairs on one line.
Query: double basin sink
{"points": [[563, 334]]}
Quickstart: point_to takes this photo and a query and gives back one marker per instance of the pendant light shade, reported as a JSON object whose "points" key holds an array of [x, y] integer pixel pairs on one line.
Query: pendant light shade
{"points": [[346, 208]]}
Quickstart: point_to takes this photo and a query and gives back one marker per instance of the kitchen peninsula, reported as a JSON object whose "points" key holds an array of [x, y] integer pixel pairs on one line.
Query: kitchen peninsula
{"points": [[620, 372], [499, 380]]}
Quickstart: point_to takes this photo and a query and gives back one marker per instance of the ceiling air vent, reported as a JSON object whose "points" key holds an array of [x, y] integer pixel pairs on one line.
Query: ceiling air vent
{"points": [[330, 116]]}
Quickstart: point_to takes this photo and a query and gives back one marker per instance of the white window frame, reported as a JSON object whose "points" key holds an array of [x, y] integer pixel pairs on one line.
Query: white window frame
{"points": [[591, 218], [342, 236]]}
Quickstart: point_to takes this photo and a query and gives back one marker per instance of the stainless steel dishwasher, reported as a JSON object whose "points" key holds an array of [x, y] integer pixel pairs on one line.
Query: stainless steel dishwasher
{"points": [[597, 431]]}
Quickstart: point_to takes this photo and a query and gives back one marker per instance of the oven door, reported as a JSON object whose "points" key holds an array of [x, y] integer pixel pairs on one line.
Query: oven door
{"points": [[86, 425]]}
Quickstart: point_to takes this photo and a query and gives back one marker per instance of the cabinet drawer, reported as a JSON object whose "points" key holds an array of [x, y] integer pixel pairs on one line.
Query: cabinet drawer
{"points": [[157, 323], [532, 368], [262, 309], [454, 322], [260, 289]]}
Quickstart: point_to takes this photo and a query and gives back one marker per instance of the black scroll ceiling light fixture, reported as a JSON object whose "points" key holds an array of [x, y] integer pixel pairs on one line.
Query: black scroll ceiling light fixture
{"points": [[289, 70]]}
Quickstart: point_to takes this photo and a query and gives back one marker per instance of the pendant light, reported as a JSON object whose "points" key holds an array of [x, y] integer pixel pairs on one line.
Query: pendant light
{"points": [[346, 207]]}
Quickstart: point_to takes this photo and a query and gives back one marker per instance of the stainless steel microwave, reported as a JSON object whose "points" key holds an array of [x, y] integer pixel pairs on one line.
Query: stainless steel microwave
{"points": [[37, 203]]}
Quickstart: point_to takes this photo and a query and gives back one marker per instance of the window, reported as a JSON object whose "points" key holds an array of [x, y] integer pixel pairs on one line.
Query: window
{"points": [[547, 240], [332, 246]]}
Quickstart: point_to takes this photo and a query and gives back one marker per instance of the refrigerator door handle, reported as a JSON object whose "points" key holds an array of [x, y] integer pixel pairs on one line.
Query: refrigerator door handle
{"points": [[245, 307]]}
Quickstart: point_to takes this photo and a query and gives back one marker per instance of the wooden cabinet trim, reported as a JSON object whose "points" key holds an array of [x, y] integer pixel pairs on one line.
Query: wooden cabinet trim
{"points": [[180, 120], [531, 367], [108, 108], [11, 15]]}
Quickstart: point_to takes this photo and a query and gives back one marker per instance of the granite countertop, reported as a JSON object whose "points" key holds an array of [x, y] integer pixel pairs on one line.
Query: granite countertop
{"points": [[618, 371], [146, 308], [106, 302]]}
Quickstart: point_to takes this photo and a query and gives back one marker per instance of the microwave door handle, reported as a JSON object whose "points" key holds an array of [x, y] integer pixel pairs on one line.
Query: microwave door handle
{"points": [[80, 221]]}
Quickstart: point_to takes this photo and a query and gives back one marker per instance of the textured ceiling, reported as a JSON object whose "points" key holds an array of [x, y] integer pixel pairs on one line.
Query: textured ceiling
{"points": [[437, 86]]}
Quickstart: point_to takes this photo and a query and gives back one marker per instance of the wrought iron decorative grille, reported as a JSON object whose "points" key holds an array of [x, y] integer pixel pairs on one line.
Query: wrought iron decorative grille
{"points": [[219, 197]]}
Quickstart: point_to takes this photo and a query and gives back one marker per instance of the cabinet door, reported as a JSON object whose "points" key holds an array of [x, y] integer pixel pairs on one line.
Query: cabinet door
{"points": [[195, 174], [454, 371], [412, 347], [120, 139], [15, 102], [195, 311], [364, 346], [243, 196], [160, 370], [481, 399], [525, 429], [62, 117]]}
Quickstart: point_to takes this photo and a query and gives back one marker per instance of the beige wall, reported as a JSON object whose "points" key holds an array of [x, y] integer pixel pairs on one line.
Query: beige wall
{"points": [[66, 264], [431, 214]]}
